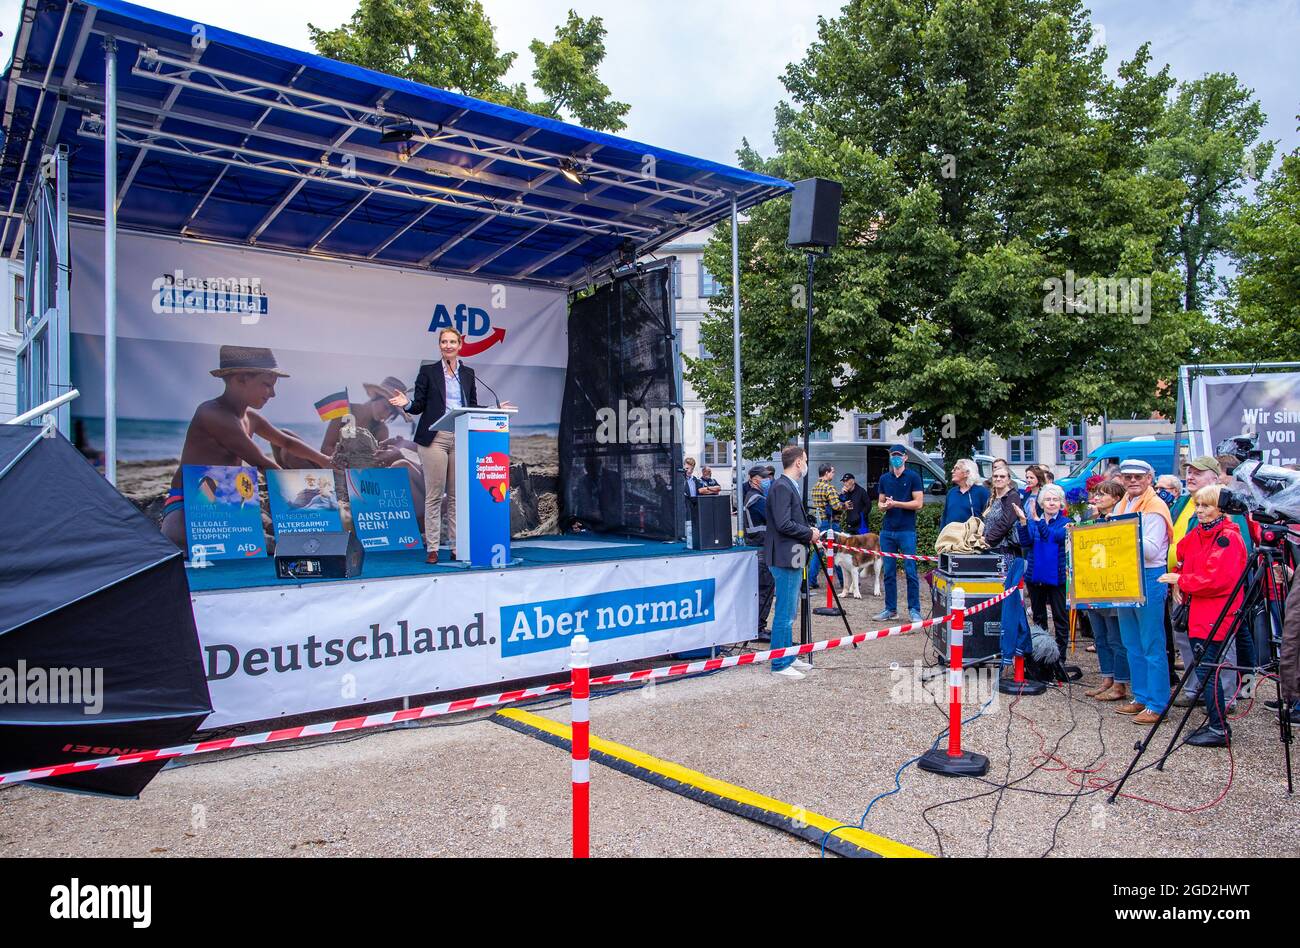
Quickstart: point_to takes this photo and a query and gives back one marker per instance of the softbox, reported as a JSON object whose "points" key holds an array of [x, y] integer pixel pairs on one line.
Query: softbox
{"points": [[99, 654]]}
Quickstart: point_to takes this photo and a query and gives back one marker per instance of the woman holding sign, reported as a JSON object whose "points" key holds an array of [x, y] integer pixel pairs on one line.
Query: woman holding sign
{"points": [[1112, 658]]}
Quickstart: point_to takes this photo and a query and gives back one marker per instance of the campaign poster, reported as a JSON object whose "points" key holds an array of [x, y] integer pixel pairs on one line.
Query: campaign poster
{"points": [[383, 513], [1265, 405], [223, 517], [304, 501]]}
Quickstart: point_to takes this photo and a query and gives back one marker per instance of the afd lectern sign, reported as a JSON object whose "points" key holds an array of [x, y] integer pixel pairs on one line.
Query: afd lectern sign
{"points": [[482, 483]]}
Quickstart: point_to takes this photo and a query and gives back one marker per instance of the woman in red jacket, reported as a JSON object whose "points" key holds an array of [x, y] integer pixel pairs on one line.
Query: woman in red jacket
{"points": [[1211, 559]]}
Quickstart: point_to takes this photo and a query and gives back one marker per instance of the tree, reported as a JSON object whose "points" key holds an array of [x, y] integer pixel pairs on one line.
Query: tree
{"points": [[1208, 140], [451, 44], [989, 167], [1265, 322]]}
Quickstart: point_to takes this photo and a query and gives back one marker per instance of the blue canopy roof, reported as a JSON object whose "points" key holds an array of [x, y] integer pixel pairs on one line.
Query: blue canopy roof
{"points": [[227, 138]]}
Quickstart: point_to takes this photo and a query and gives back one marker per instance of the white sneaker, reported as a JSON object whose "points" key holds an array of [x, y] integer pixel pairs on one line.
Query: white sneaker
{"points": [[789, 673], [800, 664]]}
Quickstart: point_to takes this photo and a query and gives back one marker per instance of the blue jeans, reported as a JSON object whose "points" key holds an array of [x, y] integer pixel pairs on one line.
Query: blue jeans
{"points": [[1215, 704], [1015, 638], [1142, 631], [1111, 654], [900, 541], [787, 603], [815, 567]]}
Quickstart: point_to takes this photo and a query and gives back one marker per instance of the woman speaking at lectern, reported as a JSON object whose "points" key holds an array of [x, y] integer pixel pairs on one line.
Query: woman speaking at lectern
{"points": [[440, 386]]}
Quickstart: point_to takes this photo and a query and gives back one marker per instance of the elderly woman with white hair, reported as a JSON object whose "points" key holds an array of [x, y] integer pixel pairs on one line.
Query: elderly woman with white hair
{"points": [[1043, 535], [967, 498]]}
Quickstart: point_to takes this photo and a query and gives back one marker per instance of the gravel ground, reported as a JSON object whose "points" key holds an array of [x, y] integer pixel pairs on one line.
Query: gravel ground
{"points": [[830, 742]]}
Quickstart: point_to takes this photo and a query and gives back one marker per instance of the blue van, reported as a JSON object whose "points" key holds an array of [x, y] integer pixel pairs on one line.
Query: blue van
{"points": [[1159, 453]]}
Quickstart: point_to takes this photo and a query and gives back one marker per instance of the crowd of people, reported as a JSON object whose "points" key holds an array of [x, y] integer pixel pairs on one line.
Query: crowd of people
{"points": [[1192, 556]]}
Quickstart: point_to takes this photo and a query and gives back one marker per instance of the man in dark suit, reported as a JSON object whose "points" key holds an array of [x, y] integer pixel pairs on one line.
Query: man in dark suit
{"points": [[442, 385], [785, 545]]}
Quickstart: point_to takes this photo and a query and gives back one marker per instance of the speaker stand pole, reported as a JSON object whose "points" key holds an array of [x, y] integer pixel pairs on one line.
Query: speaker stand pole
{"points": [[805, 603]]}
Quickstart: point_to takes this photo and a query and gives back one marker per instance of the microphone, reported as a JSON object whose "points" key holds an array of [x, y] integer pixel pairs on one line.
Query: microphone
{"points": [[489, 388]]}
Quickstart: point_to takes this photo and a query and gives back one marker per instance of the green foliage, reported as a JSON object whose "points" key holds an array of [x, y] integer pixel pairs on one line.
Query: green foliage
{"points": [[1208, 140], [1266, 295], [451, 44], [984, 153], [927, 526]]}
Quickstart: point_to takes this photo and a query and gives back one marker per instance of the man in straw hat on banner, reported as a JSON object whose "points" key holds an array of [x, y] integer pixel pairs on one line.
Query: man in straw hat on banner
{"points": [[222, 430]]}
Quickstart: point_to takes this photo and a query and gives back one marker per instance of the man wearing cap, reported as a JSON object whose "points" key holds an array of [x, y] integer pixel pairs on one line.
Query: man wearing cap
{"points": [[755, 521], [857, 505], [222, 430], [1142, 628], [901, 495]]}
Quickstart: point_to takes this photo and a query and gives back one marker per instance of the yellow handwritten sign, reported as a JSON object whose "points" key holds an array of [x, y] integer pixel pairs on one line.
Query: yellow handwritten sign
{"points": [[1106, 563]]}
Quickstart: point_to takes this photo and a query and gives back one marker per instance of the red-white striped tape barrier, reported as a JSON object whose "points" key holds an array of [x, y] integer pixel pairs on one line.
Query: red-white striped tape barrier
{"points": [[832, 545], [472, 704]]}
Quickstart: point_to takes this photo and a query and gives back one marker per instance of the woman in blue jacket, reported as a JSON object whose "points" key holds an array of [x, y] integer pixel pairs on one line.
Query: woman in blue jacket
{"points": [[1043, 534]]}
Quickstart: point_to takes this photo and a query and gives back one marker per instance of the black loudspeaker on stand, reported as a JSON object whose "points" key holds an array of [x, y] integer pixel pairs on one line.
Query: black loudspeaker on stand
{"points": [[711, 522], [815, 213], [332, 555]]}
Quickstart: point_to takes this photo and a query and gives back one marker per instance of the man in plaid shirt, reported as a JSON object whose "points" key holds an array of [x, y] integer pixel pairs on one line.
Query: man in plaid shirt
{"points": [[825, 510]]}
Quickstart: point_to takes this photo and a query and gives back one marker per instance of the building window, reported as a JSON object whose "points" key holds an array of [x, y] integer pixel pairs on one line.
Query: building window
{"points": [[1077, 434], [677, 278], [708, 283], [716, 453], [917, 438], [824, 435], [1020, 450], [869, 427], [704, 352], [20, 302]]}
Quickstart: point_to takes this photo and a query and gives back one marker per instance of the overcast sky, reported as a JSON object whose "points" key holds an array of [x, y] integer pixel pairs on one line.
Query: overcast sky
{"points": [[702, 74]]}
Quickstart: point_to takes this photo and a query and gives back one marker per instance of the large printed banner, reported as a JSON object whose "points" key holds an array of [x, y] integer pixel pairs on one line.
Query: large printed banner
{"points": [[1264, 405], [223, 520], [328, 336], [383, 514], [303, 502], [271, 652]]}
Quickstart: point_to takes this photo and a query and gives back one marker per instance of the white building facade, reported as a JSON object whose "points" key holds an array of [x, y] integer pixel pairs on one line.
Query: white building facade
{"points": [[694, 287], [10, 336]]}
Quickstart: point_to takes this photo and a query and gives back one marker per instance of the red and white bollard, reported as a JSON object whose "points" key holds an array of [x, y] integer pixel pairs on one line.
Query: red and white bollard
{"points": [[580, 696], [828, 555], [954, 762]]}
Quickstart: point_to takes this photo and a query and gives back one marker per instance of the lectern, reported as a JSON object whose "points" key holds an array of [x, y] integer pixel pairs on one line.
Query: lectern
{"points": [[482, 483]]}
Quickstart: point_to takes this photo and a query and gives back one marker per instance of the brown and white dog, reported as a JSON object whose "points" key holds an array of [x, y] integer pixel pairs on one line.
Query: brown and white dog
{"points": [[855, 554]]}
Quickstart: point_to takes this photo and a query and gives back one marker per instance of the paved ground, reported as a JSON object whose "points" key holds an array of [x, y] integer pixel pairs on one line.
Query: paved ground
{"points": [[830, 743]]}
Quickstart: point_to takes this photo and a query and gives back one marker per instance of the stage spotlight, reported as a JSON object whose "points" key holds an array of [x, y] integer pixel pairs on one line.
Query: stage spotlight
{"points": [[571, 172], [404, 152], [398, 132]]}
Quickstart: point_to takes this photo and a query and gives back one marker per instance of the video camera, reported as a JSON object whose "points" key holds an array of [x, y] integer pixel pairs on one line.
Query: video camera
{"points": [[1269, 493]]}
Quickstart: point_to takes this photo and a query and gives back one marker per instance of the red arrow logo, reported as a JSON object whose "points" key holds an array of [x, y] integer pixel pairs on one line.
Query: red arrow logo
{"points": [[474, 348]]}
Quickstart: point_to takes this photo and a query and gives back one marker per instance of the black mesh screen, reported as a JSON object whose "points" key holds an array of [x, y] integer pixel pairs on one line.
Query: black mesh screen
{"points": [[620, 437]]}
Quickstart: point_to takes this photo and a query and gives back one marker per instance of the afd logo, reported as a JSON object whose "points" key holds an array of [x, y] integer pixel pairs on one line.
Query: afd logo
{"points": [[541, 626], [472, 323]]}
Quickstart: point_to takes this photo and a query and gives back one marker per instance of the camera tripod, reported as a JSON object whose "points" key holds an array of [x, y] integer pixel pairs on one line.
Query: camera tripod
{"points": [[1263, 587]]}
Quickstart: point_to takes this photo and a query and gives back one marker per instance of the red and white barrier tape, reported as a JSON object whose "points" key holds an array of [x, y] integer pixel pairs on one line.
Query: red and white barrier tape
{"points": [[831, 544], [472, 704]]}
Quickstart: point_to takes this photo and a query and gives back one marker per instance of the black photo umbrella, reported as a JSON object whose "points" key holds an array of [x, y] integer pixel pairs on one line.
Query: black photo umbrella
{"points": [[98, 650]]}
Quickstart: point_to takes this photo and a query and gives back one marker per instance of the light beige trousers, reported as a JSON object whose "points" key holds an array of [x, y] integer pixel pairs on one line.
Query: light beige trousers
{"points": [[439, 461]]}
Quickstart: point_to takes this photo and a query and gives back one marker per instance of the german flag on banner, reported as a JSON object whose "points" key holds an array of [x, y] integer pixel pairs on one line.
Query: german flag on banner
{"points": [[333, 406]]}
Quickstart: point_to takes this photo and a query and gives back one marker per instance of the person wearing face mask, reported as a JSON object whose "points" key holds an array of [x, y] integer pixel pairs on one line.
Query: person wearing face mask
{"points": [[785, 544], [755, 521], [1211, 558], [900, 495]]}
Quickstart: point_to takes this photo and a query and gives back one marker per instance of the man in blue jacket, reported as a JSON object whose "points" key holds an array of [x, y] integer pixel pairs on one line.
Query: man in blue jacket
{"points": [[900, 496], [785, 544]]}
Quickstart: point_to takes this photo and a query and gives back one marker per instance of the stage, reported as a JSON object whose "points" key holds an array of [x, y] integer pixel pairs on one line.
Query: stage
{"points": [[275, 647]]}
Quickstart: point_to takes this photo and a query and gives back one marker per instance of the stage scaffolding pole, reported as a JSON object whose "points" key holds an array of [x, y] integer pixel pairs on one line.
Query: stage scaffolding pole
{"points": [[735, 356], [110, 259]]}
